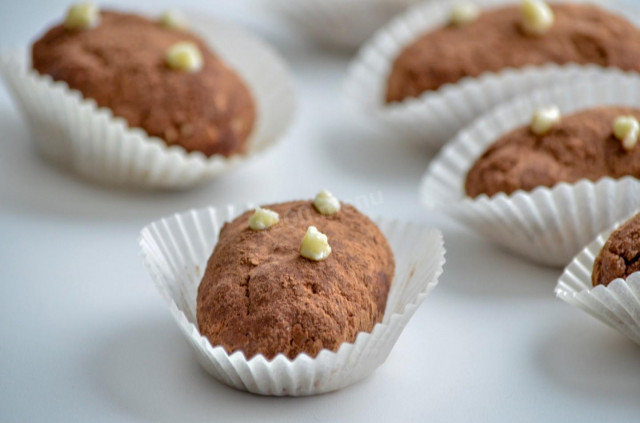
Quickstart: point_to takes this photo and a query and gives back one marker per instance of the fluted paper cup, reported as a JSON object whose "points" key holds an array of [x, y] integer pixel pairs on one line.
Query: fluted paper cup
{"points": [[546, 225], [339, 23], [616, 305], [435, 116], [75, 133], [176, 250]]}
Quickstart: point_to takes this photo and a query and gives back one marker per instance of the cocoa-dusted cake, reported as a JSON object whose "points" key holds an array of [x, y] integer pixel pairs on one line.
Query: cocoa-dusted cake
{"points": [[579, 146], [120, 61], [495, 39], [267, 289], [620, 256]]}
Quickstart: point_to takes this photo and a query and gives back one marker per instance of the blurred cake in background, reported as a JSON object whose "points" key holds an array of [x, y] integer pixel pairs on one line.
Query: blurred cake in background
{"points": [[590, 144], [620, 255], [153, 73], [531, 34]]}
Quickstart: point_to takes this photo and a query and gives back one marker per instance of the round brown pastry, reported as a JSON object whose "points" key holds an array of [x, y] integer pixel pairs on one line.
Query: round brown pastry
{"points": [[494, 41], [580, 146], [121, 64], [259, 295], [620, 256]]}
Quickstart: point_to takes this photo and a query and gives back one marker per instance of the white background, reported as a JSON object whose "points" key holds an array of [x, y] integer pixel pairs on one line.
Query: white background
{"points": [[85, 337]]}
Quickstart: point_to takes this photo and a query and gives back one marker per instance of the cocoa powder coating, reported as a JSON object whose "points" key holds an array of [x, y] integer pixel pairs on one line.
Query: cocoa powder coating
{"points": [[259, 296], [580, 34], [121, 65], [581, 146]]}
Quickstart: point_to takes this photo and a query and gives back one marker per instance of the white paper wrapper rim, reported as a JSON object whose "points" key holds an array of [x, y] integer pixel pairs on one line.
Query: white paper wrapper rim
{"points": [[73, 132], [435, 116], [339, 23], [546, 225], [176, 249], [616, 305]]}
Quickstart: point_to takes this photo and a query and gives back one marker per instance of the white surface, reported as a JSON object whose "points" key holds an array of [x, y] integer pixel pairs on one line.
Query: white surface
{"points": [[85, 337]]}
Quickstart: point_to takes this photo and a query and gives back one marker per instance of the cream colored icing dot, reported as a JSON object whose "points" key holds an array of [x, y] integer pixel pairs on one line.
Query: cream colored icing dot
{"points": [[263, 219], [184, 56], [464, 13], [82, 16], [315, 245], [627, 130], [326, 203], [544, 119], [173, 19], [537, 17]]}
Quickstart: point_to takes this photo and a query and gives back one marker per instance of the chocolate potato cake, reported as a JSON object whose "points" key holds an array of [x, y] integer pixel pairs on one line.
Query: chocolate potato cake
{"points": [[260, 294], [579, 146], [495, 40], [620, 255], [120, 62]]}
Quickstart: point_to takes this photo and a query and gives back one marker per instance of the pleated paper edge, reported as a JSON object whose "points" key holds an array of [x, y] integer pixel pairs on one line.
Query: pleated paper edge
{"points": [[344, 24], [382, 332], [435, 116], [442, 186], [616, 305], [194, 167]]}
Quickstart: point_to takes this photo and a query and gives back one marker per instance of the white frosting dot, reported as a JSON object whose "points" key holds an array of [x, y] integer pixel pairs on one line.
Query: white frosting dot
{"points": [[315, 245], [184, 56], [544, 119], [262, 219], [464, 13], [326, 203], [82, 16], [537, 17], [173, 19], [627, 130]]}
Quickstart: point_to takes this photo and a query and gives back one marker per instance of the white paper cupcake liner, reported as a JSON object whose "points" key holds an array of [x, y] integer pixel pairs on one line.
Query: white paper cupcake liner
{"points": [[176, 249], [547, 225], [435, 116], [339, 23], [75, 133], [616, 305]]}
